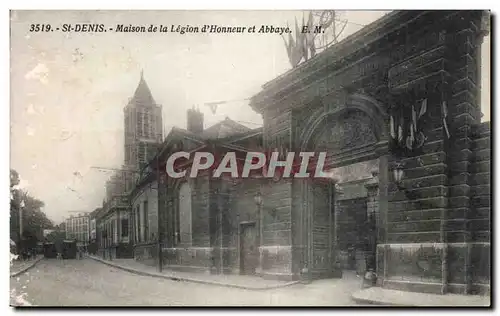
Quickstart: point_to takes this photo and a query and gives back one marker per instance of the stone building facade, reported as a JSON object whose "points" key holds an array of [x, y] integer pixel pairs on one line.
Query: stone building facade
{"points": [[358, 100], [403, 94], [195, 235]]}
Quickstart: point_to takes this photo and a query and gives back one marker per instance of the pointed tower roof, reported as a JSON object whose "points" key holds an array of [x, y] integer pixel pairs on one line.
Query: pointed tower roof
{"points": [[142, 95]]}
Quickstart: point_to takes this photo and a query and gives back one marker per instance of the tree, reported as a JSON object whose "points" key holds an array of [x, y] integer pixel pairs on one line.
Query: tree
{"points": [[34, 220], [14, 178]]}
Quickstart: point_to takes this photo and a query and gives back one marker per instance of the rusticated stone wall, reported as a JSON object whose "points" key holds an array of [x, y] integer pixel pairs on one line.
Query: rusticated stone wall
{"points": [[434, 234], [479, 222]]}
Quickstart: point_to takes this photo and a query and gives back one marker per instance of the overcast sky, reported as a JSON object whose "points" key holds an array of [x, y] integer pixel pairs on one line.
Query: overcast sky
{"points": [[68, 89]]}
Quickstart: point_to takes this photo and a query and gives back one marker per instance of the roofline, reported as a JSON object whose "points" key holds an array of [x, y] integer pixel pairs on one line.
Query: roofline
{"points": [[253, 134], [349, 45]]}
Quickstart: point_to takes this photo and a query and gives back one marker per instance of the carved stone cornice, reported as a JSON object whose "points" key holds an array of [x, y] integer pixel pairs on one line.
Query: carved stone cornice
{"points": [[345, 62], [340, 103]]}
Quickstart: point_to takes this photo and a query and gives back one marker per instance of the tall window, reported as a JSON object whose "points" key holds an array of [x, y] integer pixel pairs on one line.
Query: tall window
{"points": [[140, 123], [185, 216], [138, 224], [152, 126], [124, 227], [146, 220]]}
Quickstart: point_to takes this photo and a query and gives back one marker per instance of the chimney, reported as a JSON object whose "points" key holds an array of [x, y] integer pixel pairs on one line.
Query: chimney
{"points": [[195, 121]]}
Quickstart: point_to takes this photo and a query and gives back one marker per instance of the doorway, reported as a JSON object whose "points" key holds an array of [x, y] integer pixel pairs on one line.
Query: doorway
{"points": [[355, 223], [248, 248]]}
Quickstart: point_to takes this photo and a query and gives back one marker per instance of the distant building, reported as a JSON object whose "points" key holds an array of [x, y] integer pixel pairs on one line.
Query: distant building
{"points": [[93, 224], [77, 227]]}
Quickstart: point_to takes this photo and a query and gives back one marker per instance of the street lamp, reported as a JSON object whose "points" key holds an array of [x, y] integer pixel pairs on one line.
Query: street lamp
{"points": [[258, 198]]}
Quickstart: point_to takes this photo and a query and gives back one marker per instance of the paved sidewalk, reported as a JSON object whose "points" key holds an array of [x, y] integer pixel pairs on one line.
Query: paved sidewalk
{"points": [[18, 267], [380, 296], [231, 280]]}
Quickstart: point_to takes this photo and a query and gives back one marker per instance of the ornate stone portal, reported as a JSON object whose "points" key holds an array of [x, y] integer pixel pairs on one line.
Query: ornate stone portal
{"points": [[434, 235], [348, 131]]}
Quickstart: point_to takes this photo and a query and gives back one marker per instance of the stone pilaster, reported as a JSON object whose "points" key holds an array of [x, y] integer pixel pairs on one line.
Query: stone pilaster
{"points": [[463, 53], [372, 188]]}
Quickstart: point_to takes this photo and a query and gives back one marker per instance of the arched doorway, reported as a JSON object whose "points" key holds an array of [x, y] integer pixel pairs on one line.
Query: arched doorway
{"points": [[351, 135]]}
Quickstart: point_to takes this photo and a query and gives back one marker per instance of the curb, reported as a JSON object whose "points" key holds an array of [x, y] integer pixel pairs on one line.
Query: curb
{"points": [[183, 279], [367, 301], [356, 297], [24, 269]]}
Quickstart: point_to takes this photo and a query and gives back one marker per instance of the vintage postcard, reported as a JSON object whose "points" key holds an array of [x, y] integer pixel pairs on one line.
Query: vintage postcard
{"points": [[250, 158]]}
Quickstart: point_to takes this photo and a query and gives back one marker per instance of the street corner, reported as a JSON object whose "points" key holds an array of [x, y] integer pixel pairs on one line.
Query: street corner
{"points": [[370, 296]]}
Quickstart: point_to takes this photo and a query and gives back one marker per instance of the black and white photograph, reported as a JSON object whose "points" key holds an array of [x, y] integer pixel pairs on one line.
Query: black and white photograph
{"points": [[250, 158]]}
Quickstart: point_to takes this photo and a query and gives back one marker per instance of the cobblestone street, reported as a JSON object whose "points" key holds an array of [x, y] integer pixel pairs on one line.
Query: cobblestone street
{"points": [[90, 283]]}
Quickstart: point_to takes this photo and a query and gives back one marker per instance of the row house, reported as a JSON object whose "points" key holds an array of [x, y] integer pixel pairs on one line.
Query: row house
{"points": [[113, 229]]}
